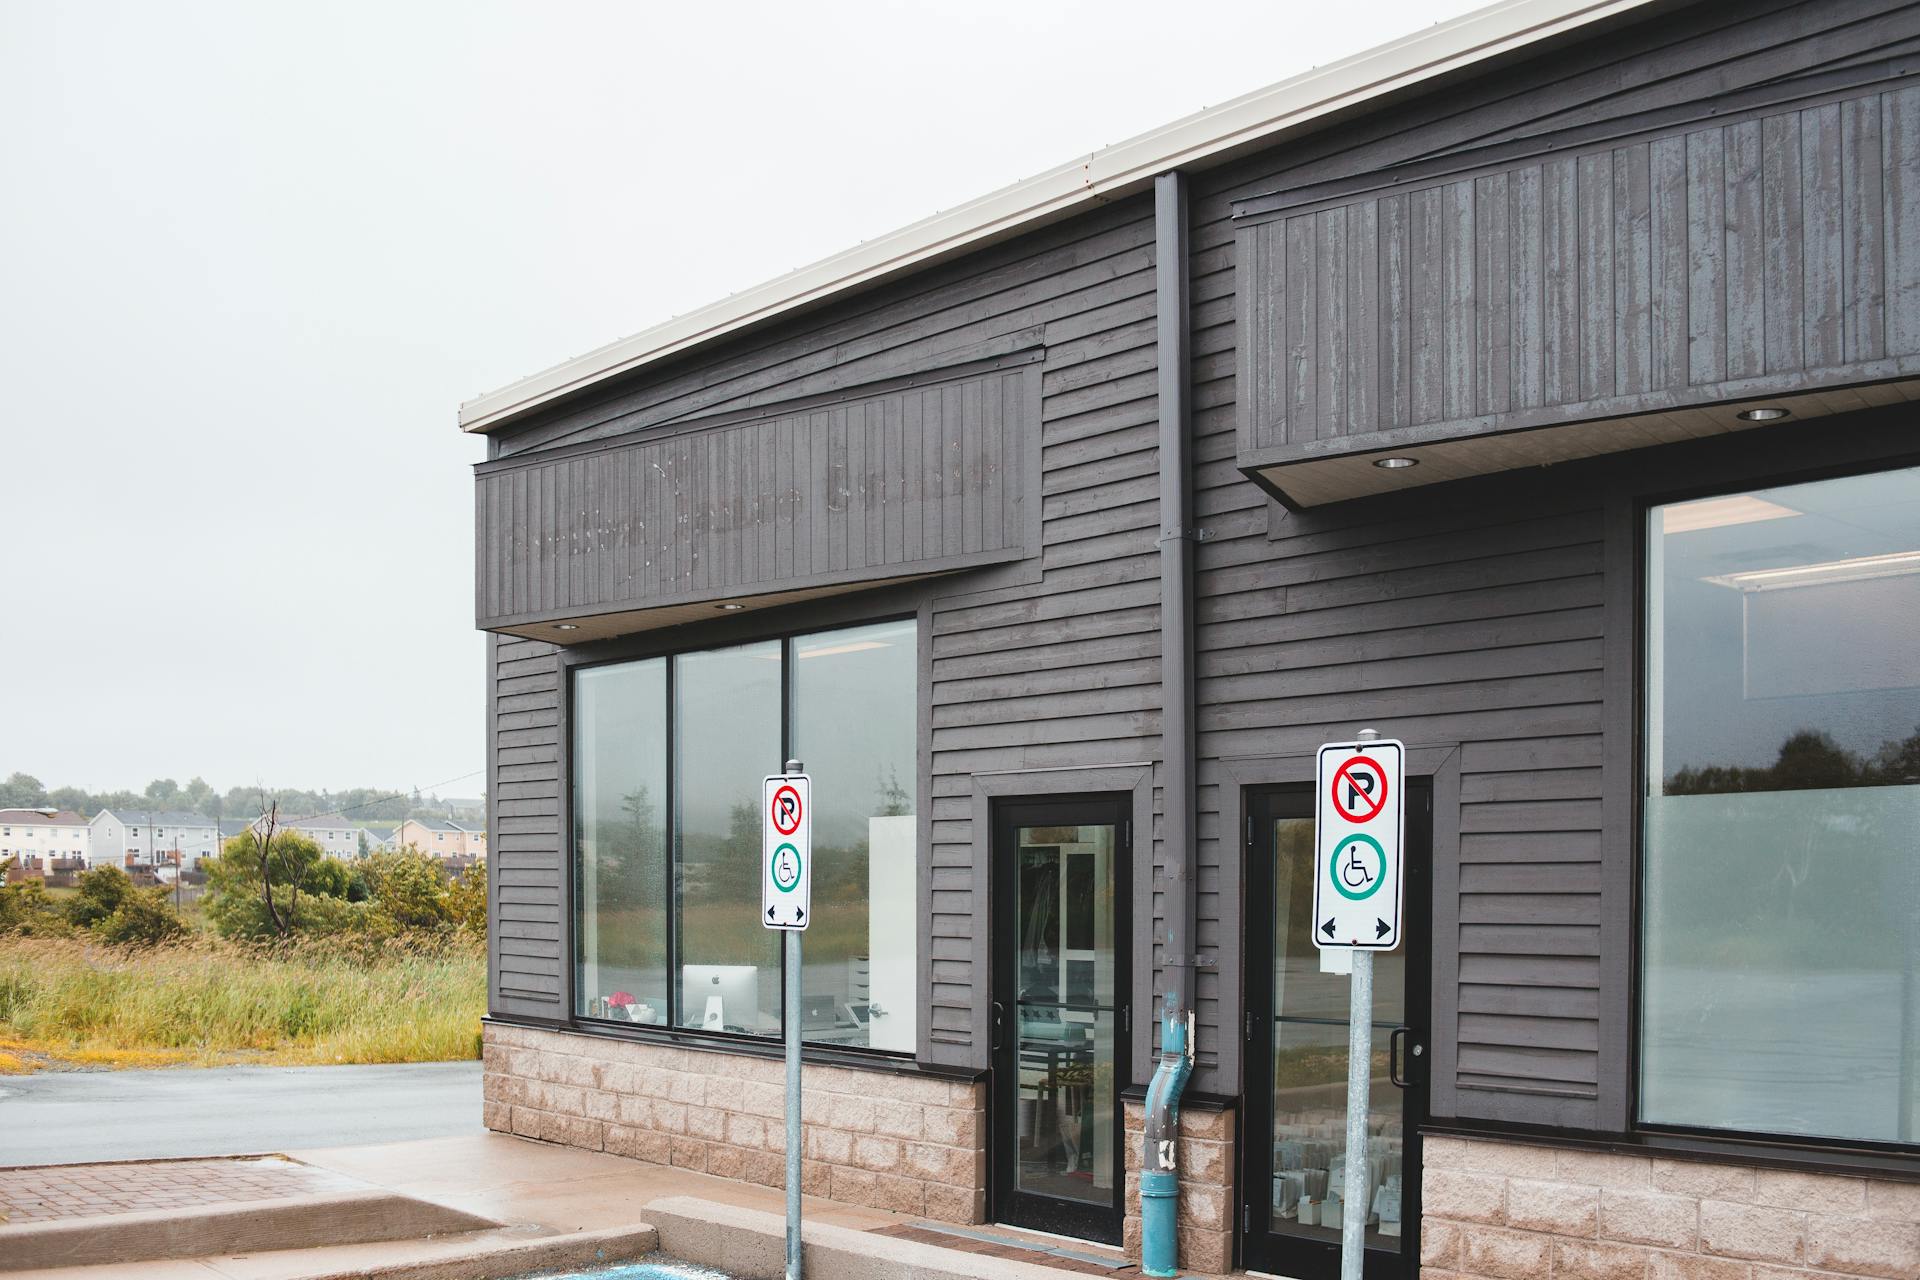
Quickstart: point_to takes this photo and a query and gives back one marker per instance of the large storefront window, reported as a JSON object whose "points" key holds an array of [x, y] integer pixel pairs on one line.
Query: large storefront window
{"points": [[726, 737], [619, 840], [653, 829], [1781, 946], [853, 727]]}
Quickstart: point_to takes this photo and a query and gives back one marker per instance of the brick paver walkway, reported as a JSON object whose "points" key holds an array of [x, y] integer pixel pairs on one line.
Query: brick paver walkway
{"points": [[46, 1192]]}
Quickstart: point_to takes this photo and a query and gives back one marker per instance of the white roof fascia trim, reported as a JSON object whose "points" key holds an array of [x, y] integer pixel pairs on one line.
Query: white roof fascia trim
{"points": [[1109, 172]]}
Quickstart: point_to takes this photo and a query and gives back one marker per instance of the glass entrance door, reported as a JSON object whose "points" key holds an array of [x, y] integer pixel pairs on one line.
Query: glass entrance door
{"points": [[1296, 1070], [1059, 1015]]}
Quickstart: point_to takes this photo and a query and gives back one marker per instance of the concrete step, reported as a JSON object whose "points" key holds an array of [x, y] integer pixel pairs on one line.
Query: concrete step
{"points": [[292, 1222]]}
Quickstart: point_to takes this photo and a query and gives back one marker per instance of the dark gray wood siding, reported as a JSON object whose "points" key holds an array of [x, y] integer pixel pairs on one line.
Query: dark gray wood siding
{"points": [[924, 477], [1044, 663], [523, 796], [1488, 623], [1749, 247]]}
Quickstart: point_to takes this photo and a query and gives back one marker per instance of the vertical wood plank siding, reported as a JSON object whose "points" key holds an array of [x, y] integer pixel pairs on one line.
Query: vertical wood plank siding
{"points": [[1683, 264], [688, 516]]}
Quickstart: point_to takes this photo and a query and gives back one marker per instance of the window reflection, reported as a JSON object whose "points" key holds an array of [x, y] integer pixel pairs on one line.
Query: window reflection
{"points": [[1310, 1021], [1782, 827], [619, 815], [1065, 1012], [726, 739], [852, 718], [853, 725]]}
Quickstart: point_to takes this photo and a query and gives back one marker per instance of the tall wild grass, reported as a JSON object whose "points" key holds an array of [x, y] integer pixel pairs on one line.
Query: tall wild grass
{"points": [[205, 1001]]}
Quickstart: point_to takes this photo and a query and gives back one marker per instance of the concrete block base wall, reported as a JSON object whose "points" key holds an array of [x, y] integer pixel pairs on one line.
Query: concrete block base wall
{"points": [[1510, 1211], [1206, 1187], [909, 1144]]}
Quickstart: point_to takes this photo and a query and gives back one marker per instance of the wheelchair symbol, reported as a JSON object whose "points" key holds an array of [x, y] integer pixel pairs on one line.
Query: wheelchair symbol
{"points": [[1359, 864]]}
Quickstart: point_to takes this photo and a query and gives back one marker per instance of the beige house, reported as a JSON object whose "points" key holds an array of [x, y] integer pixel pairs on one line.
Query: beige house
{"points": [[441, 839]]}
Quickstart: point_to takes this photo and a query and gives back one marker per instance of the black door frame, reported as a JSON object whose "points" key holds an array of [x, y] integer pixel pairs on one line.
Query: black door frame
{"points": [[1007, 1203], [1262, 1248]]}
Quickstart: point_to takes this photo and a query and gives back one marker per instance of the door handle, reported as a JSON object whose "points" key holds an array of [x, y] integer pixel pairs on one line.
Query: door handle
{"points": [[999, 1017], [1394, 1071]]}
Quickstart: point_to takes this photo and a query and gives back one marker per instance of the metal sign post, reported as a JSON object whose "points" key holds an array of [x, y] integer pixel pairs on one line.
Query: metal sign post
{"points": [[786, 900], [1359, 814]]}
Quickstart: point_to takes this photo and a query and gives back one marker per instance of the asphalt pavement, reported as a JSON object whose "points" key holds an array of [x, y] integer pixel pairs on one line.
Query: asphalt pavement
{"points": [[67, 1117]]}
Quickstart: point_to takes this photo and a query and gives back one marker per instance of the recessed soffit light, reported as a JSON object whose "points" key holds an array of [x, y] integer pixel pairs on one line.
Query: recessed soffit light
{"points": [[1765, 413], [1396, 463], [730, 607], [566, 626]]}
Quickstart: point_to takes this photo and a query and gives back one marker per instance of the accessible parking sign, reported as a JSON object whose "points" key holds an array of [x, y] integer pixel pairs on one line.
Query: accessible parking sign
{"points": [[1359, 821], [786, 857]]}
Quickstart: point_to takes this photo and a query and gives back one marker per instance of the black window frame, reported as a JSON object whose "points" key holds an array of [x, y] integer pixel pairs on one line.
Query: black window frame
{"points": [[1839, 1156], [671, 1032]]}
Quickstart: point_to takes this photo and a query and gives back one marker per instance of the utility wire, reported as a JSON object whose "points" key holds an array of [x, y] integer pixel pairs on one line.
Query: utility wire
{"points": [[368, 804]]}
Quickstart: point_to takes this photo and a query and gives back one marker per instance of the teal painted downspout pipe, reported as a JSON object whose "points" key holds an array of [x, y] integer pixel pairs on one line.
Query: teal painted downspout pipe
{"points": [[1160, 1178], [1160, 1168]]}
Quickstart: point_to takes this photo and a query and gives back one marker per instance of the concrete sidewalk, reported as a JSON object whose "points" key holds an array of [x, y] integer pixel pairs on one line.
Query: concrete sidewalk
{"points": [[516, 1206]]}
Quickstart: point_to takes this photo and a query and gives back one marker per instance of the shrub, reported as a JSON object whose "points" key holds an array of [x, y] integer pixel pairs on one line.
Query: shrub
{"points": [[144, 918], [237, 900], [101, 892], [467, 900], [408, 889], [26, 908]]}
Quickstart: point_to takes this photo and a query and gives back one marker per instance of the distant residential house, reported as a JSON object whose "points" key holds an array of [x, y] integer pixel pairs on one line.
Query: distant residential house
{"points": [[441, 839], [335, 835], [151, 838], [36, 836]]}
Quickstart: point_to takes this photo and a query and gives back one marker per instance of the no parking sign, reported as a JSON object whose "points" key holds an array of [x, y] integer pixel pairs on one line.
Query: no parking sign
{"points": [[1358, 870], [786, 850]]}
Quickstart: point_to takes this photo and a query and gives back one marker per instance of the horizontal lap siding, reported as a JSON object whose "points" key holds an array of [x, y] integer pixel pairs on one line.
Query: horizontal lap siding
{"points": [[524, 832], [1054, 663], [1062, 671], [1475, 622], [1701, 199]]}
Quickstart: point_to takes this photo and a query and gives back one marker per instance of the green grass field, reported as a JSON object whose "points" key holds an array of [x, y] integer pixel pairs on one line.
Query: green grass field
{"points": [[65, 1004]]}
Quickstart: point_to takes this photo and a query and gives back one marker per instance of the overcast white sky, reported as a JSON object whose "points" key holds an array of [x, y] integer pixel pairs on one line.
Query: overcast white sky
{"points": [[256, 254]]}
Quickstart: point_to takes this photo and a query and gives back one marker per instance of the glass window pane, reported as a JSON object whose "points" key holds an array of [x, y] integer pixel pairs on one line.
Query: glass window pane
{"points": [[619, 815], [1064, 1012], [1310, 1021], [726, 739], [854, 699], [1781, 949]]}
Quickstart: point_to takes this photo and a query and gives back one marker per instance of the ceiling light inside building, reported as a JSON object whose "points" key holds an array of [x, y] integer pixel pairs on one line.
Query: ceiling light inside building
{"points": [[1893, 564], [854, 646], [1716, 513]]}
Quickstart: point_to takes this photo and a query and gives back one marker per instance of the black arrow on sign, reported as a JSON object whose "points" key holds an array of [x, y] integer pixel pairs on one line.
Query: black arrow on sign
{"points": [[798, 915], [769, 913], [1327, 928], [1381, 928]]}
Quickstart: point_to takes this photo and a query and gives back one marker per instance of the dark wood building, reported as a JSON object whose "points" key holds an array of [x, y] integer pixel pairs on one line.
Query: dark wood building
{"points": [[1541, 385]]}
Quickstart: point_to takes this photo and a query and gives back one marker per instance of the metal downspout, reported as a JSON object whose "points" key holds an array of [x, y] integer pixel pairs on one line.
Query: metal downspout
{"points": [[1160, 1169]]}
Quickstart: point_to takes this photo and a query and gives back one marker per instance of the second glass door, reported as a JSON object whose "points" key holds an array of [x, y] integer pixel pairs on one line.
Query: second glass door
{"points": [[1295, 1162]]}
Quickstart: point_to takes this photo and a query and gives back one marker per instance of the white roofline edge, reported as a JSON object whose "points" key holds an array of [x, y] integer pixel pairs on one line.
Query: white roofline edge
{"points": [[1110, 172]]}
